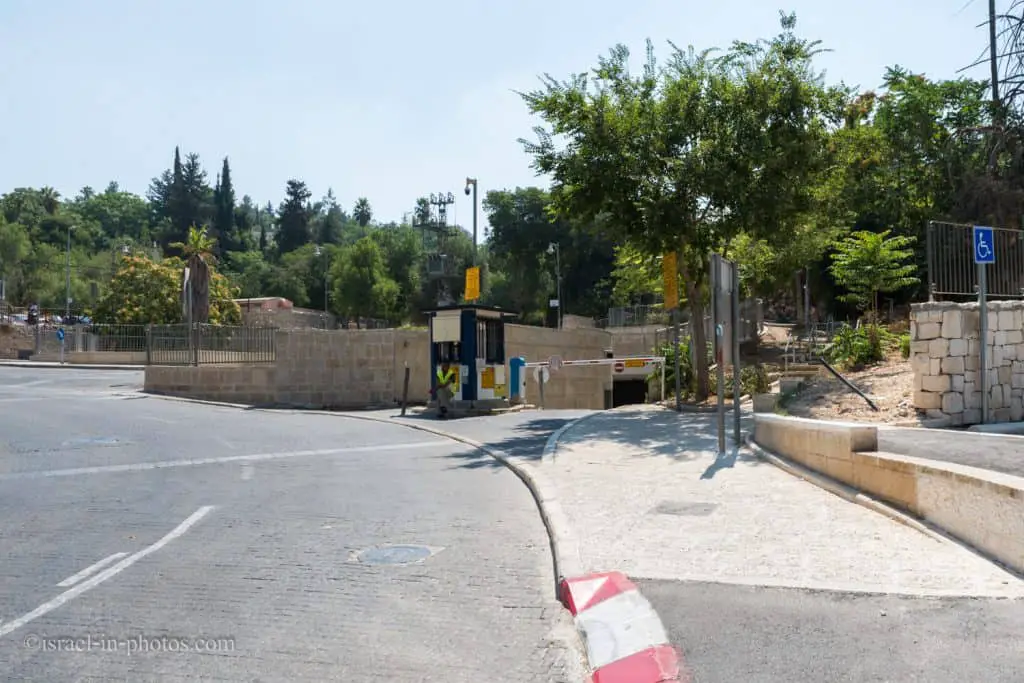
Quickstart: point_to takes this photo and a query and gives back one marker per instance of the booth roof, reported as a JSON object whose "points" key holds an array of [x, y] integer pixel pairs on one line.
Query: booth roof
{"points": [[472, 307]]}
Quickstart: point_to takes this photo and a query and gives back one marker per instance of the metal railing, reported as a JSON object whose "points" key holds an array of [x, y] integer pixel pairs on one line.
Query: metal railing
{"points": [[951, 268], [202, 344], [635, 316], [90, 338]]}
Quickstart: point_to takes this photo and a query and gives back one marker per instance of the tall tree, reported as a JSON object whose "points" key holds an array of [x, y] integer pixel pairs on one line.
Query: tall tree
{"points": [[293, 217], [651, 160], [224, 226], [362, 212]]}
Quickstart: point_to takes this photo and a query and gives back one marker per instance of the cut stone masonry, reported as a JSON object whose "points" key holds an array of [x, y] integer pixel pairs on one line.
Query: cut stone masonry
{"points": [[945, 347]]}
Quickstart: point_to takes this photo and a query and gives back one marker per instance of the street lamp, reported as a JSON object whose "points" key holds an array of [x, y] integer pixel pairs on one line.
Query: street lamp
{"points": [[318, 252], [67, 295], [554, 248], [471, 187]]}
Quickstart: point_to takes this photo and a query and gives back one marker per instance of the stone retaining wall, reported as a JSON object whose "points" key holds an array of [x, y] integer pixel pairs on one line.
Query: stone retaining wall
{"points": [[945, 354], [984, 509]]}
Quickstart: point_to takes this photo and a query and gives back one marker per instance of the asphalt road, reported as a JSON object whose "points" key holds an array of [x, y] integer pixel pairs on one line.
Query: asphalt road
{"points": [[772, 635], [999, 452], [246, 528]]}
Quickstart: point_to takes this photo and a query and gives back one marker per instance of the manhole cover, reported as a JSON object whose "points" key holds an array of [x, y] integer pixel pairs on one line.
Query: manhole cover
{"points": [[395, 554], [685, 509]]}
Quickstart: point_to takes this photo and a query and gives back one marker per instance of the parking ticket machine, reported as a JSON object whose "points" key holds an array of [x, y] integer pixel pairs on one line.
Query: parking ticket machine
{"points": [[472, 339]]}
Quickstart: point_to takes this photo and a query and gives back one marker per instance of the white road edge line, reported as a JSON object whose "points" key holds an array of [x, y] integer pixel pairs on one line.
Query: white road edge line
{"points": [[72, 593], [162, 464], [91, 569]]}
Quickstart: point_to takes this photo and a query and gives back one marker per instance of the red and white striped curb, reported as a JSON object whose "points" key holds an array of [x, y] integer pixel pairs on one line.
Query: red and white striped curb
{"points": [[625, 640]]}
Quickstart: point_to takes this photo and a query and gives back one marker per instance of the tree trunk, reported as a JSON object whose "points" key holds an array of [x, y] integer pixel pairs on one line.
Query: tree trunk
{"points": [[698, 340]]}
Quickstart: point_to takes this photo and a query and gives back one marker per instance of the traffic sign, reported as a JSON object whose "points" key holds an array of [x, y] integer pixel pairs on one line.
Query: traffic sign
{"points": [[555, 363], [60, 334], [984, 245], [620, 366]]}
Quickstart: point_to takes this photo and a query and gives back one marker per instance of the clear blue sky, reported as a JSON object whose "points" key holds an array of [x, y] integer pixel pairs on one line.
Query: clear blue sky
{"points": [[388, 100]]}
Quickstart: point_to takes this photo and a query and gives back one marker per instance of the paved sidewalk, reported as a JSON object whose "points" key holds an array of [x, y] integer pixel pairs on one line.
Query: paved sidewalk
{"points": [[643, 493]]}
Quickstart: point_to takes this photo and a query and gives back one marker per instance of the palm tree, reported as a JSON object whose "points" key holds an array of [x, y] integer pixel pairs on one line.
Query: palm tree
{"points": [[199, 243], [50, 199], [362, 212]]}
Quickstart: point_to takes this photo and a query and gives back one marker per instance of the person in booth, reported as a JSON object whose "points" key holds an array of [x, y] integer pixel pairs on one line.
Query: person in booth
{"points": [[445, 388]]}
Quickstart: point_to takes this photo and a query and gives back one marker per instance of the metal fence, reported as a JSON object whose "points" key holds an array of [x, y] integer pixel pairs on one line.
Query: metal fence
{"points": [[951, 268], [635, 316], [90, 338], [202, 344]]}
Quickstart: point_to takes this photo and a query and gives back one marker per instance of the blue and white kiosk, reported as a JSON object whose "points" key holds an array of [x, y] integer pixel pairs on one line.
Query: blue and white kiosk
{"points": [[472, 339]]}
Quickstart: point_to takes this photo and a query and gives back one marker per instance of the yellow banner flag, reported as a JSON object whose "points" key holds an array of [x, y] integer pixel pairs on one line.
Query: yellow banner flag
{"points": [[472, 283], [670, 275]]}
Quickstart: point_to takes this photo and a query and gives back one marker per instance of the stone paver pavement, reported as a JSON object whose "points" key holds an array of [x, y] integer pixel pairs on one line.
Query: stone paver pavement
{"points": [[643, 492]]}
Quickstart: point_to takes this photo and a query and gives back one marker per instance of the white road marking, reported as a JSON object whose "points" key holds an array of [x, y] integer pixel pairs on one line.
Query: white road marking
{"points": [[157, 419], [247, 472], [72, 593], [91, 569], [256, 457]]}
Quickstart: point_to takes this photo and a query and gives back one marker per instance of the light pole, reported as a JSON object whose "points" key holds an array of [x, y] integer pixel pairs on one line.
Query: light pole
{"points": [[317, 251], [67, 296], [556, 249], [471, 183]]}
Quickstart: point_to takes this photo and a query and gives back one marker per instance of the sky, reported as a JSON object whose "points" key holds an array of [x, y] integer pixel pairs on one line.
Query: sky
{"points": [[391, 100]]}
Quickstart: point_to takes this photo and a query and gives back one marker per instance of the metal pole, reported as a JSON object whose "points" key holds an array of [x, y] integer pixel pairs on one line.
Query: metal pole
{"points": [[558, 276], [675, 354], [983, 340], [663, 380], [719, 354], [67, 296], [737, 385]]}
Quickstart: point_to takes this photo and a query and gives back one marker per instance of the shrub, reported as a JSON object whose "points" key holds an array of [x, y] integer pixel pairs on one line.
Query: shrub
{"points": [[905, 346], [857, 347], [753, 380]]}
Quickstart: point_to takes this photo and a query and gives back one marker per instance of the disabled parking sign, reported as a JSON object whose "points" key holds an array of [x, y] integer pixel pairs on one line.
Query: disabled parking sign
{"points": [[984, 245], [60, 334]]}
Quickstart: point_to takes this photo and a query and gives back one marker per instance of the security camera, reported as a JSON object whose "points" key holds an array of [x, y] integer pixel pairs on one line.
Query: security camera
{"points": [[467, 190]]}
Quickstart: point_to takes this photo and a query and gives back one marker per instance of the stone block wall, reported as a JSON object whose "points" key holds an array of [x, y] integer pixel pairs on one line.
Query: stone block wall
{"points": [[571, 387], [945, 354], [363, 368]]}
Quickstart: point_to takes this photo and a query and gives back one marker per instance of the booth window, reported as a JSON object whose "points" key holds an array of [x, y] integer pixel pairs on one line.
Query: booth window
{"points": [[490, 341], [448, 352]]}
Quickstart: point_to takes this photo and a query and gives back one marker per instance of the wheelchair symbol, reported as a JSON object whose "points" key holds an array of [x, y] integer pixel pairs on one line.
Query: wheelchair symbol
{"points": [[983, 248]]}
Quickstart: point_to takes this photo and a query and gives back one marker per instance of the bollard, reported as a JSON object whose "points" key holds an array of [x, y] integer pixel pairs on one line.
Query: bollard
{"points": [[405, 389]]}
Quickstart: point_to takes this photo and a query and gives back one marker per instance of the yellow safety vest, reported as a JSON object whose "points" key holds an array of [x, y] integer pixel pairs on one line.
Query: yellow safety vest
{"points": [[445, 378]]}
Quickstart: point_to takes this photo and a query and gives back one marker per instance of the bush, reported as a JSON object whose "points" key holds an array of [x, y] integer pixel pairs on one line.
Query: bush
{"points": [[857, 347], [687, 375], [905, 346], [753, 380]]}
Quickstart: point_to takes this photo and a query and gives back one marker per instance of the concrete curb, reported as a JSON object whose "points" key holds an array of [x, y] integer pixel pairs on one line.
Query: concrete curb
{"points": [[848, 493], [68, 366], [551, 446]]}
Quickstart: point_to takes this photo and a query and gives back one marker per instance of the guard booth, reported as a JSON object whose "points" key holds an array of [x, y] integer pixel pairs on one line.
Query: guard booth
{"points": [[472, 339]]}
